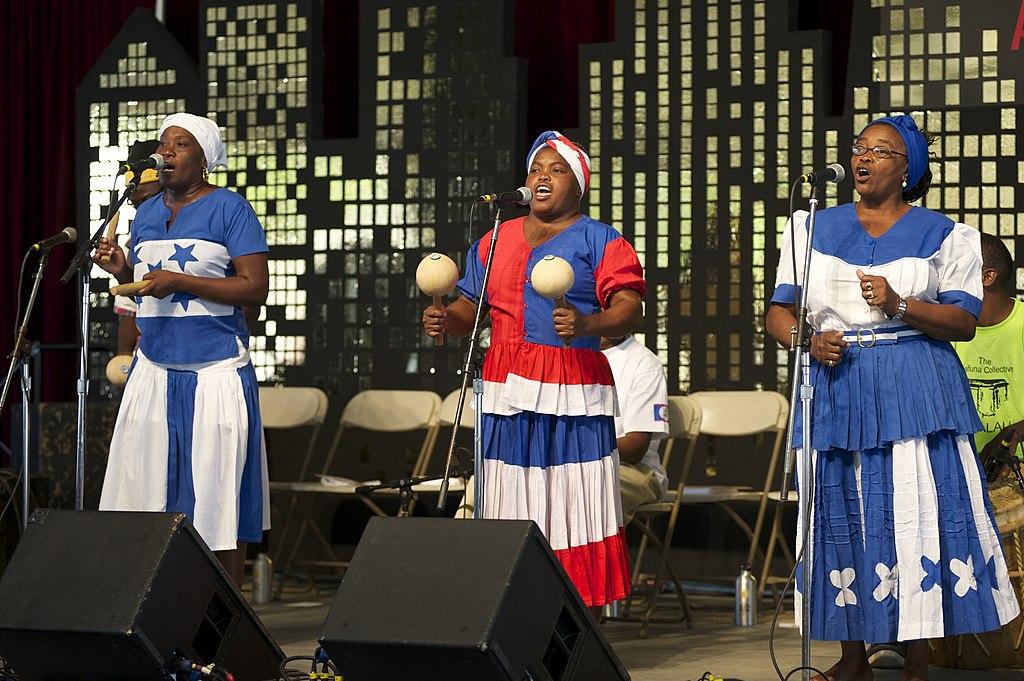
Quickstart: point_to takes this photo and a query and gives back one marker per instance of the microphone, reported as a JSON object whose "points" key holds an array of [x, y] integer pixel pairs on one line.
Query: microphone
{"points": [[152, 161], [68, 235], [834, 174], [521, 196]]}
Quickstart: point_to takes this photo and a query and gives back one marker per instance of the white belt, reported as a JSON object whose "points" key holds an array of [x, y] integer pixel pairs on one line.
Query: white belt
{"points": [[867, 338]]}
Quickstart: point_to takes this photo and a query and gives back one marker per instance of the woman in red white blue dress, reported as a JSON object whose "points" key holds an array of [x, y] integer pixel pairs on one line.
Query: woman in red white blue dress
{"points": [[549, 435]]}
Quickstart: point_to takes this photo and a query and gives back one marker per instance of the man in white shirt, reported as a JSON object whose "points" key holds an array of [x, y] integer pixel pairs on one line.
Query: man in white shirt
{"points": [[642, 422]]}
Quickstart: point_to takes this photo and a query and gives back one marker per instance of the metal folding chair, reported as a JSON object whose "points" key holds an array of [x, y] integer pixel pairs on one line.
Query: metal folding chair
{"points": [[684, 419], [383, 411], [738, 413]]}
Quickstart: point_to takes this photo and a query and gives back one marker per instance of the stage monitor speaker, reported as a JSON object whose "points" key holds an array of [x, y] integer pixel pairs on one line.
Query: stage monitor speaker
{"points": [[440, 599], [105, 595]]}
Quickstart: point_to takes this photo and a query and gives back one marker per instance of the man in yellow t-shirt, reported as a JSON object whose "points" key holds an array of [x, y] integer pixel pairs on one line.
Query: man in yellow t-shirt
{"points": [[994, 360]]}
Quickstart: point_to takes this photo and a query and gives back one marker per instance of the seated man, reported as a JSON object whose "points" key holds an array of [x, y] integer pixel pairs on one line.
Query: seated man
{"points": [[642, 422], [994, 360]]}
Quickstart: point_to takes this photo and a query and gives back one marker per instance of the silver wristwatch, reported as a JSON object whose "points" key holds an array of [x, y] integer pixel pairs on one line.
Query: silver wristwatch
{"points": [[901, 310]]}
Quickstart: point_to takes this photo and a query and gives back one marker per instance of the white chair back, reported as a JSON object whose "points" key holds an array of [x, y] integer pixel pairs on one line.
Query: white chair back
{"points": [[446, 417], [741, 412], [292, 407], [392, 411]]}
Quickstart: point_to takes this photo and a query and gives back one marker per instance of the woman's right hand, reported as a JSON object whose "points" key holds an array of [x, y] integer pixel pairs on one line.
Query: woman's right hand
{"points": [[117, 265], [435, 321], [827, 347]]}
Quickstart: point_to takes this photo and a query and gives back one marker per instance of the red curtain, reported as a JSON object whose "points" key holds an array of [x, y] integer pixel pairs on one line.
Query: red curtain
{"points": [[48, 47]]}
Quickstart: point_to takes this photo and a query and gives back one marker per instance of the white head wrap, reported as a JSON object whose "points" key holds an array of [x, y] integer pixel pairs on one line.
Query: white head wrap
{"points": [[206, 133]]}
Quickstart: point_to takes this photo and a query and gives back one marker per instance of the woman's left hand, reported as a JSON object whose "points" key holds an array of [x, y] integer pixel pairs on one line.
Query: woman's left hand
{"points": [[163, 284], [569, 323], [877, 293]]}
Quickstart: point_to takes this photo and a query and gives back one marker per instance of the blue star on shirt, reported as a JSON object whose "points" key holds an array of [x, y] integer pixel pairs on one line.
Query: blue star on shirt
{"points": [[183, 256], [183, 298], [158, 266], [133, 255], [932, 574]]}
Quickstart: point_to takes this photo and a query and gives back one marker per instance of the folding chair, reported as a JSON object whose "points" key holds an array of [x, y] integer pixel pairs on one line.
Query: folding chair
{"points": [[684, 418], [446, 419], [737, 413], [382, 411]]}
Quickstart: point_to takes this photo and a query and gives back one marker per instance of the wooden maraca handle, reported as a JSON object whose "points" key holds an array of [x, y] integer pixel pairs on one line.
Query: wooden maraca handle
{"points": [[111, 233], [129, 289], [560, 301], [438, 302]]}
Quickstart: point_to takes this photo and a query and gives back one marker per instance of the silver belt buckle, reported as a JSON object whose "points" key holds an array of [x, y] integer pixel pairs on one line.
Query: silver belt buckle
{"points": [[864, 344]]}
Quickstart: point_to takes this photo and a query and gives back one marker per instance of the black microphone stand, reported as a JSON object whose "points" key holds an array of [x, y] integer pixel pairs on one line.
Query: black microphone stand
{"points": [[20, 358], [404, 487], [82, 264], [473, 364], [802, 367]]}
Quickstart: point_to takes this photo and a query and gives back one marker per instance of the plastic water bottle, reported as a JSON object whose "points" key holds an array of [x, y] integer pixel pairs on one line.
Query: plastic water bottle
{"points": [[262, 578], [746, 598]]}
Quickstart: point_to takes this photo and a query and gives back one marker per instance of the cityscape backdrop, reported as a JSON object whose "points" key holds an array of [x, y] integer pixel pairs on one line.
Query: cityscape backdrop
{"points": [[696, 116]]}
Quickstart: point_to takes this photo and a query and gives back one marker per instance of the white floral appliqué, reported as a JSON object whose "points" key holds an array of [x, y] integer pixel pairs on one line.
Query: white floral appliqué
{"points": [[842, 581], [965, 575], [889, 584]]}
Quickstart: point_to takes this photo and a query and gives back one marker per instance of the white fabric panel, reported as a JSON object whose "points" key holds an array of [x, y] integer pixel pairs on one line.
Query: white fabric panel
{"points": [[915, 512], [959, 261], [988, 535], [213, 260], [133, 481], [570, 502], [519, 394]]}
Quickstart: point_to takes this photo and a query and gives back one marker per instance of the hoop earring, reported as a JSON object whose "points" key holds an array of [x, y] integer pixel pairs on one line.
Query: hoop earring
{"points": [[206, 175]]}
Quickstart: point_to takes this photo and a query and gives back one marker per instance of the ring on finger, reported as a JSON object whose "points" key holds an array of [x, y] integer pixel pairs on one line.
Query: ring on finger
{"points": [[871, 295], [869, 285]]}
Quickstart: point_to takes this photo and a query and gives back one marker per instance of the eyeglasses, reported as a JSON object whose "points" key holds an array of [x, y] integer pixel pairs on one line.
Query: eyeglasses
{"points": [[877, 152]]}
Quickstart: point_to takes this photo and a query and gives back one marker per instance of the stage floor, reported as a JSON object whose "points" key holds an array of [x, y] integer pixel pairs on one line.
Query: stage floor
{"points": [[670, 653]]}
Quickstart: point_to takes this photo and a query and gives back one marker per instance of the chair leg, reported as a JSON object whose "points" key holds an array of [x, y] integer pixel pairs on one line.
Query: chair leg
{"points": [[770, 551], [307, 521], [663, 567]]}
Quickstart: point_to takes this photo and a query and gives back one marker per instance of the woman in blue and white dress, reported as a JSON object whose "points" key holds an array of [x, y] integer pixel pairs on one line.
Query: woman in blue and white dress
{"points": [[188, 436], [903, 543]]}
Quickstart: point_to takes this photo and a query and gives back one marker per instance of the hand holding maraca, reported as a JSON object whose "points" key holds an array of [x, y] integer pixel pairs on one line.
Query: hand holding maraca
{"points": [[553, 277], [436, 276]]}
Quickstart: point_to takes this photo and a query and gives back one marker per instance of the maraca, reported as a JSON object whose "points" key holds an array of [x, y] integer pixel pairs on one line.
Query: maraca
{"points": [[117, 369], [436, 276], [552, 277]]}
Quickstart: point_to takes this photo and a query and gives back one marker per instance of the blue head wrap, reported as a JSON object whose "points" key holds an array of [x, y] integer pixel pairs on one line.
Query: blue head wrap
{"points": [[913, 139]]}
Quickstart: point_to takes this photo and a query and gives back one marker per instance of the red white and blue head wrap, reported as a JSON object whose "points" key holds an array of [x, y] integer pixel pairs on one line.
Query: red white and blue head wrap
{"points": [[913, 139], [577, 159]]}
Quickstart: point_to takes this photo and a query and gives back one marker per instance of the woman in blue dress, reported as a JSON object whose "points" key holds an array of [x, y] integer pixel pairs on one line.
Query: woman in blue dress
{"points": [[188, 436], [903, 545]]}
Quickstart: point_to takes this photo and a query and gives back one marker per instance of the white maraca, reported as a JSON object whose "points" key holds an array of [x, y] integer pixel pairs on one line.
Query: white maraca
{"points": [[552, 277], [118, 368], [436, 276]]}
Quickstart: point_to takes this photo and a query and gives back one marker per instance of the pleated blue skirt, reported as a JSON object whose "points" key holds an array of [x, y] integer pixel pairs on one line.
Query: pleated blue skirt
{"points": [[903, 541]]}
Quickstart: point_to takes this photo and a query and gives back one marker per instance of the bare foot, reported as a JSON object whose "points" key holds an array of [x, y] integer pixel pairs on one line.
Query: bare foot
{"points": [[848, 670]]}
